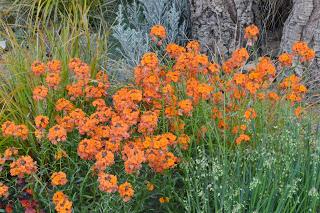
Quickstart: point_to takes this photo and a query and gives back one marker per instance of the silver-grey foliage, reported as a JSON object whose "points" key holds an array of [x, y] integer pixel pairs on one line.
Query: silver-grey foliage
{"points": [[133, 23]]}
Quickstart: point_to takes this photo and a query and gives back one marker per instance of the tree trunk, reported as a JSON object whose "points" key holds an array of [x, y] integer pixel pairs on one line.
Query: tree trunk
{"points": [[218, 25], [304, 24]]}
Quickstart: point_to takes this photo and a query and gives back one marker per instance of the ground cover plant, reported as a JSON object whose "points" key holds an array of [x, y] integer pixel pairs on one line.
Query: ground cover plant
{"points": [[188, 135]]}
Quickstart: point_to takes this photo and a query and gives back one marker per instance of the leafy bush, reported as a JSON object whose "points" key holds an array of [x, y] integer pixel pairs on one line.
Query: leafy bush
{"points": [[188, 135]]}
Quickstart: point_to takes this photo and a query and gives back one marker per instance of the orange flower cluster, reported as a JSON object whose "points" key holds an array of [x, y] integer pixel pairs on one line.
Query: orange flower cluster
{"points": [[62, 202], [164, 200], [293, 88], [4, 190], [158, 34], [150, 186], [157, 152], [88, 148], [59, 179], [237, 60], [126, 191], [54, 66], [174, 50], [285, 59], [145, 124], [185, 107], [24, 165], [148, 122], [18, 131], [41, 123], [251, 32], [250, 114], [302, 50], [107, 183], [40, 93], [60, 154], [57, 134], [8, 154], [103, 159], [241, 138], [38, 68]]}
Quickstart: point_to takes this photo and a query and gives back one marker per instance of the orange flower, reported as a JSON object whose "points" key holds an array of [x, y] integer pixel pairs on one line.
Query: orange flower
{"points": [[222, 124], [193, 46], [107, 183], [185, 107], [53, 80], [240, 78], [40, 93], [9, 152], [54, 66], [274, 96], [73, 63], [66, 122], [177, 125], [174, 50], [133, 157], [285, 59], [21, 131], [82, 71], [8, 128], [164, 200], [126, 191], [216, 113], [148, 122], [119, 129], [103, 160], [64, 105], [184, 141], [251, 33], [103, 78], [59, 179], [240, 56], [62, 202], [41, 121], [150, 60], [261, 96], [88, 148], [172, 76], [24, 165], [4, 190], [160, 160], [214, 68], [75, 90], [242, 137], [38, 68], [298, 111], [252, 87], [295, 90], [78, 116], [60, 154], [264, 68], [150, 186], [250, 114], [57, 134], [158, 31], [301, 49], [243, 127], [2, 160]]}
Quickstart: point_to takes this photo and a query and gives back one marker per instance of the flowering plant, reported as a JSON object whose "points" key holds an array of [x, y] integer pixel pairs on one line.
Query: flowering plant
{"points": [[145, 126]]}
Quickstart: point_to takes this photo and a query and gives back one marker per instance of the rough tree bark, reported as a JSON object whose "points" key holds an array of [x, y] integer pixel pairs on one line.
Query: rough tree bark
{"points": [[303, 23], [218, 25]]}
